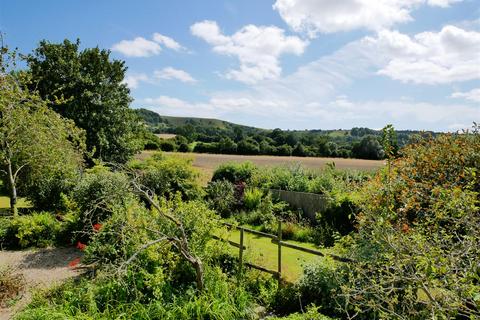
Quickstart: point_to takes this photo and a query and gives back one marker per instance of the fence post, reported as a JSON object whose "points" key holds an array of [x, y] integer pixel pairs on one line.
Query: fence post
{"points": [[279, 238], [240, 255]]}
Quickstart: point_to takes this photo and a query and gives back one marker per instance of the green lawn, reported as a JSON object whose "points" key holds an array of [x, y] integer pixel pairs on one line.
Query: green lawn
{"points": [[5, 202], [261, 251]]}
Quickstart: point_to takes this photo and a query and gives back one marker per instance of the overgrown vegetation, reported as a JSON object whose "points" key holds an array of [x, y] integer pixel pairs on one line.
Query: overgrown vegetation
{"points": [[409, 234]]}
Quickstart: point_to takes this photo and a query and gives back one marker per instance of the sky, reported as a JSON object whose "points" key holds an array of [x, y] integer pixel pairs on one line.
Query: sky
{"points": [[290, 64]]}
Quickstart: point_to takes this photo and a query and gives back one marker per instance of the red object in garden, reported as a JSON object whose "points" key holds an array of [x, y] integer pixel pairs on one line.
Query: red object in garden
{"points": [[74, 262], [97, 227], [81, 246]]}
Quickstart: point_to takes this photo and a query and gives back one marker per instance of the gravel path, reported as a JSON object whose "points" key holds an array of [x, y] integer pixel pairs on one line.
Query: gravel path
{"points": [[41, 268]]}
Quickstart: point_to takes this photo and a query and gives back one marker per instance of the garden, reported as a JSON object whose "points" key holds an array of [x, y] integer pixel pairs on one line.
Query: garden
{"points": [[156, 244]]}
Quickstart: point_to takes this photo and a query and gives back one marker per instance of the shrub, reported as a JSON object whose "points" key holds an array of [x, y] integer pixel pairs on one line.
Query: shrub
{"points": [[37, 229], [221, 197], [165, 176], [98, 192], [320, 285], [184, 147], [311, 313], [252, 198], [235, 172], [417, 220], [167, 145]]}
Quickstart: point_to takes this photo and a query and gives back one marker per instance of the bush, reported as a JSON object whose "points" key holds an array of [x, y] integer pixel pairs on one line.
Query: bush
{"points": [[418, 217], [167, 145], [252, 198], [98, 192], [311, 313], [166, 176], [221, 197], [235, 172], [34, 230], [320, 285]]}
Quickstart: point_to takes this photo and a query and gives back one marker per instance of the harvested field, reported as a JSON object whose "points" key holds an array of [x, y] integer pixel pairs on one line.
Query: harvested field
{"points": [[166, 135], [207, 163]]}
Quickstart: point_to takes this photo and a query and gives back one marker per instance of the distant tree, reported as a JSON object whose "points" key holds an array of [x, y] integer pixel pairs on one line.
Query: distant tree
{"points": [[284, 150], [168, 145], [183, 147], [368, 148], [87, 87], [299, 150], [267, 148], [226, 145], [238, 134], [279, 136], [291, 139], [248, 146], [40, 152], [188, 131], [331, 149]]}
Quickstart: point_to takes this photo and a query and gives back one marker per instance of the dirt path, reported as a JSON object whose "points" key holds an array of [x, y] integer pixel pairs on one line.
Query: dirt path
{"points": [[41, 268]]}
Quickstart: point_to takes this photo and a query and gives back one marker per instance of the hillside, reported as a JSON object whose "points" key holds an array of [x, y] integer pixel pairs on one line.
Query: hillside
{"points": [[218, 136], [153, 119]]}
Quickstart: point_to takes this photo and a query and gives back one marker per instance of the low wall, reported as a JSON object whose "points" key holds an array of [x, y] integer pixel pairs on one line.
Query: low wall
{"points": [[310, 203]]}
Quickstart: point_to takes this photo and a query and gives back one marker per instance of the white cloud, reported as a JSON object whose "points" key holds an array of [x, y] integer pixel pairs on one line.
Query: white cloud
{"points": [[138, 47], [167, 42], [258, 49], [327, 16], [430, 57], [472, 95], [133, 80], [141, 47], [169, 73]]}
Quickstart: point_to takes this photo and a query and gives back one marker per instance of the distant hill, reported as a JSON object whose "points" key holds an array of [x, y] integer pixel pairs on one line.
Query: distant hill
{"points": [[218, 136], [153, 119]]}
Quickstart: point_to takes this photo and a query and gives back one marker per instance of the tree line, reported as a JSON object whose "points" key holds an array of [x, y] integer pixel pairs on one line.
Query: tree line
{"points": [[214, 136]]}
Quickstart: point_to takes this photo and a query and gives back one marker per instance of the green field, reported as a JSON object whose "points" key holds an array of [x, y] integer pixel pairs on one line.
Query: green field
{"points": [[263, 252], [5, 202]]}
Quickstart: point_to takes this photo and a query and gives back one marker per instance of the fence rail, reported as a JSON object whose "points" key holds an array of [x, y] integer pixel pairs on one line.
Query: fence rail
{"points": [[277, 239]]}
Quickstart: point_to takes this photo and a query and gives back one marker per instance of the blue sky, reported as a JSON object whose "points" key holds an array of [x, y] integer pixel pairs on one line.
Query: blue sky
{"points": [[293, 64]]}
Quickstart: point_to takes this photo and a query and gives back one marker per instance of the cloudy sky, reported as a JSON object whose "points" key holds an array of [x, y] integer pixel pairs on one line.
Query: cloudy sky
{"points": [[293, 64]]}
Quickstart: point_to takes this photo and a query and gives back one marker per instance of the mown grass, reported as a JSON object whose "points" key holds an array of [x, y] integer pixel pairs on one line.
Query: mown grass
{"points": [[262, 251], [5, 201]]}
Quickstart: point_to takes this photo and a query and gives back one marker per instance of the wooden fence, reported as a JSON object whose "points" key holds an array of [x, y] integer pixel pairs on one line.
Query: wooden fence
{"points": [[309, 203], [280, 243]]}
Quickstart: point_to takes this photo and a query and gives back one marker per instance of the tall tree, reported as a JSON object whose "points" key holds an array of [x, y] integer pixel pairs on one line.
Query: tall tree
{"points": [[33, 139], [87, 87]]}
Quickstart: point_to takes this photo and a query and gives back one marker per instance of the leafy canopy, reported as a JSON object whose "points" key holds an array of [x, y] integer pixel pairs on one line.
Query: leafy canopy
{"points": [[87, 87]]}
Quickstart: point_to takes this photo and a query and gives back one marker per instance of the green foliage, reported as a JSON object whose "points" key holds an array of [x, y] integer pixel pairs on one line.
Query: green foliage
{"points": [[150, 141], [220, 195], [99, 191], [320, 285], [165, 176], [29, 131], [252, 198], [37, 229], [312, 313], [129, 298], [235, 172], [87, 87], [417, 247], [167, 145], [216, 136]]}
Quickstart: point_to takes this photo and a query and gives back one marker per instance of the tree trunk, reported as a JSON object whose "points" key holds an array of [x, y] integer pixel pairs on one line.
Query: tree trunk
{"points": [[13, 191], [197, 264]]}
